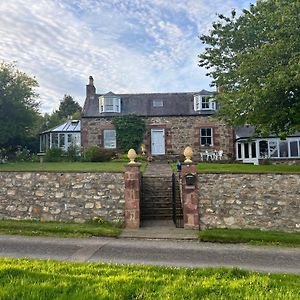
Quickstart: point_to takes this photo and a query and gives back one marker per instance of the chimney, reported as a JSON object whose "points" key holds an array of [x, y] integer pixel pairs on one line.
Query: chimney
{"points": [[90, 89]]}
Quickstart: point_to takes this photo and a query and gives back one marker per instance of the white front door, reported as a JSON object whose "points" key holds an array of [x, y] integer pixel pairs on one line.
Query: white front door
{"points": [[157, 141]]}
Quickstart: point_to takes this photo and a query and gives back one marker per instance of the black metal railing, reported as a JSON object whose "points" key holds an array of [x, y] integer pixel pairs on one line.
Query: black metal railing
{"points": [[176, 201]]}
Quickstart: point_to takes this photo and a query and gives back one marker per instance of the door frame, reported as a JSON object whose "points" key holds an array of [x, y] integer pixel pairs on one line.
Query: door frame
{"points": [[162, 130]]}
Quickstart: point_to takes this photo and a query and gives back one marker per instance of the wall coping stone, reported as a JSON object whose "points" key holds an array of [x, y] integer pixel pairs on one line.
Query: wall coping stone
{"points": [[52, 171], [250, 173]]}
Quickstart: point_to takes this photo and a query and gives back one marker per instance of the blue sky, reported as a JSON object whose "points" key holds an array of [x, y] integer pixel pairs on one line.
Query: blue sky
{"points": [[128, 46]]}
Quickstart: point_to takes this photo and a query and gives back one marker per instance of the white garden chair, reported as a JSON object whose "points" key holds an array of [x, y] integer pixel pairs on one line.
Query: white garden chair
{"points": [[220, 154]]}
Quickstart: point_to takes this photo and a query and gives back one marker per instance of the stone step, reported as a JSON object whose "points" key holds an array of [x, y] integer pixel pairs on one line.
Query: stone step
{"points": [[163, 198], [158, 210], [157, 180], [149, 205], [157, 193], [157, 203], [161, 186], [153, 217]]}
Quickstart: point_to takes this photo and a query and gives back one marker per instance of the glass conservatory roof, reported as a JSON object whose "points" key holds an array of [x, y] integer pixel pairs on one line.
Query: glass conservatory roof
{"points": [[69, 126]]}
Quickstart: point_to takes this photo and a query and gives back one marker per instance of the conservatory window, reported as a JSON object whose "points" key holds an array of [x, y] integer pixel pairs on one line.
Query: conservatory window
{"points": [[263, 149], [239, 150], [70, 138], [62, 140], [283, 149], [54, 140], [294, 146], [273, 148]]}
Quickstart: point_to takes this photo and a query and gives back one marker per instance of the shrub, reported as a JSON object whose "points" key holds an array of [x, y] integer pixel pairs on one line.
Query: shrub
{"points": [[97, 154], [23, 154], [73, 153], [138, 158], [3, 156], [54, 155], [130, 131]]}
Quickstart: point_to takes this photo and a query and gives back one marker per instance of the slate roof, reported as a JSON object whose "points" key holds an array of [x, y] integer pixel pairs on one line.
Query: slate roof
{"points": [[249, 131], [174, 104], [69, 126]]}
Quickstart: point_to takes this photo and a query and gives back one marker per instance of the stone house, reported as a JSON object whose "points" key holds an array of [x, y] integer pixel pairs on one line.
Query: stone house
{"points": [[173, 121]]}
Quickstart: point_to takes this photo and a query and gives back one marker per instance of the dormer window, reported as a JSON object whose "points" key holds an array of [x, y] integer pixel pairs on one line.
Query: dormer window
{"points": [[109, 103], [204, 102]]}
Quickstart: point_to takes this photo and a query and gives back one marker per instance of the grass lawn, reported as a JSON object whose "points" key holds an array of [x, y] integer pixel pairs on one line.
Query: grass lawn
{"points": [[251, 236], [112, 166], [32, 279], [58, 229], [246, 168]]}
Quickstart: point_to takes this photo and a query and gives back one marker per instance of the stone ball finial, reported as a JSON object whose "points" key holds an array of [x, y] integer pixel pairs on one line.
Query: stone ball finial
{"points": [[131, 155], [188, 153]]}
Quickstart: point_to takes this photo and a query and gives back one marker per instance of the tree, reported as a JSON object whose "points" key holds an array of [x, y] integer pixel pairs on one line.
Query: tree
{"points": [[68, 107], [51, 120], [18, 106], [130, 131], [254, 58]]}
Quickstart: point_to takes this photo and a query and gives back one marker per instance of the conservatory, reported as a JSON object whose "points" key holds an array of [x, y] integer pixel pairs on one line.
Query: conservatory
{"points": [[250, 149], [61, 136]]}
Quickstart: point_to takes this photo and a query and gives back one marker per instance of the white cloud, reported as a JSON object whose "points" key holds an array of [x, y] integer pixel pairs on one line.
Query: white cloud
{"points": [[128, 46]]}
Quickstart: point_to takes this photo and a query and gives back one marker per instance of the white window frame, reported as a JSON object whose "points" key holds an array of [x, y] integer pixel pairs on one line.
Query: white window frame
{"points": [[199, 100], [114, 106], [109, 144], [297, 141], [207, 136], [277, 142]]}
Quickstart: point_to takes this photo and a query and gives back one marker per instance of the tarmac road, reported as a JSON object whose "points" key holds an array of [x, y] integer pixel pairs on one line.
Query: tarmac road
{"points": [[178, 253]]}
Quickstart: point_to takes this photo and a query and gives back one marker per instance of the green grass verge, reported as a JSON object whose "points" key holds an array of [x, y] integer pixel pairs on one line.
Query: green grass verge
{"points": [[251, 236], [246, 168], [32, 279], [58, 229], [113, 166]]}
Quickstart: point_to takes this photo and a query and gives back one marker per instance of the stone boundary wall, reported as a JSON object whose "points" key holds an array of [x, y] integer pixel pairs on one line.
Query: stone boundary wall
{"points": [[265, 201], [62, 196]]}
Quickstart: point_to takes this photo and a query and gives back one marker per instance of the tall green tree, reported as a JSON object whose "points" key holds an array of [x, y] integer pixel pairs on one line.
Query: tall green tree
{"points": [[68, 107], [18, 106], [255, 59]]}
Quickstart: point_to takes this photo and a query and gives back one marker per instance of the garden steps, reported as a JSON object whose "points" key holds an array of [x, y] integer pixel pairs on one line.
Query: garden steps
{"points": [[157, 193]]}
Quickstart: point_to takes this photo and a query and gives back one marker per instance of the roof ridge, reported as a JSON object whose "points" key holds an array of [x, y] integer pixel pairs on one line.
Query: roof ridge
{"points": [[158, 93]]}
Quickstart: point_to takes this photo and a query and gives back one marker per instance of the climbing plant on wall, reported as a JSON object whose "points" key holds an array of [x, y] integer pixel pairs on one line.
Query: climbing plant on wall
{"points": [[130, 131]]}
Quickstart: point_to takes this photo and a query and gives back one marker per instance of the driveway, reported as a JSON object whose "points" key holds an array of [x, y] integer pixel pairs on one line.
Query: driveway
{"points": [[180, 253]]}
